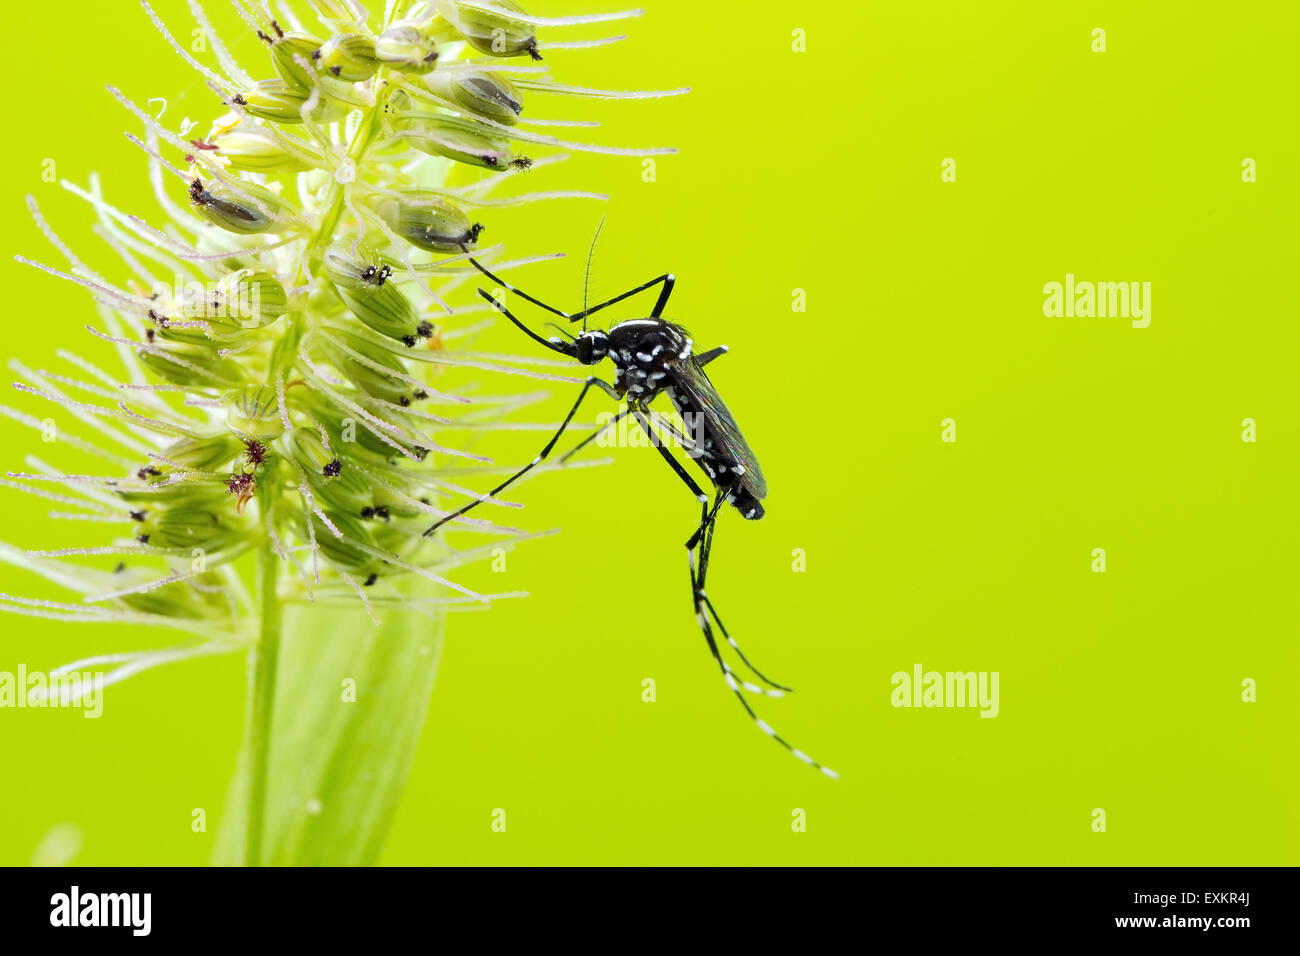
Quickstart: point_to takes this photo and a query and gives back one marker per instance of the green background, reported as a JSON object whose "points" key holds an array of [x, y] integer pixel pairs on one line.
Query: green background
{"points": [[819, 171]]}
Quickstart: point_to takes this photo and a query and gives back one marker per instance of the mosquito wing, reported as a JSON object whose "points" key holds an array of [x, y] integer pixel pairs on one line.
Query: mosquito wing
{"points": [[714, 423]]}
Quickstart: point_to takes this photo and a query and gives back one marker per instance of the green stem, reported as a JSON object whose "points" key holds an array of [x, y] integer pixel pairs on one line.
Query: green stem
{"points": [[263, 658], [367, 131]]}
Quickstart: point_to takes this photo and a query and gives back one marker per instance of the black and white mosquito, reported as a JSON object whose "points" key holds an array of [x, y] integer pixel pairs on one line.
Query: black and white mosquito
{"points": [[652, 356]]}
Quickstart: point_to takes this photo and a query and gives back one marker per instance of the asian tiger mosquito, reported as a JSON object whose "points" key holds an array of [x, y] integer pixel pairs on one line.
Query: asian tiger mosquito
{"points": [[650, 356]]}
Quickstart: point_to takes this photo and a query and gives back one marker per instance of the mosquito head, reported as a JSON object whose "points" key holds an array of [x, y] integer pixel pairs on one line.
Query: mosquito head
{"points": [[590, 347]]}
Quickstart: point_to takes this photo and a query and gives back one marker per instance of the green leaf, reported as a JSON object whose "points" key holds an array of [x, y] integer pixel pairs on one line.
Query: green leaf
{"points": [[337, 765]]}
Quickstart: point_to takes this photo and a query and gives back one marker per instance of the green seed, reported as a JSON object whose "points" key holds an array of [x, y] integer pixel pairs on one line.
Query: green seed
{"points": [[286, 51], [364, 286], [248, 209], [369, 375], [202, 454], [350, 57], [425, 219], [275, 101], [463, 140], [257, 151], [486, 93], [204, 600], [254, 412], [356, 437], [489, 27], [202, 365], [208, 493], [187, 527], [341, 551], [404, 48], [332, 481], [250, 299]]}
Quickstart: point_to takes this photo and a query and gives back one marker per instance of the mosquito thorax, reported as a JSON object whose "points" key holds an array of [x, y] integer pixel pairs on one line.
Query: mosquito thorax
{"points": [[643, 350], [590, 347]]}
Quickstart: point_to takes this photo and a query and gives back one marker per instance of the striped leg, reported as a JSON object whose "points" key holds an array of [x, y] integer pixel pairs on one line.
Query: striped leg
{"points": [[702, 604], [704, 537], [594, 435], [541, 457], [666, 280]]}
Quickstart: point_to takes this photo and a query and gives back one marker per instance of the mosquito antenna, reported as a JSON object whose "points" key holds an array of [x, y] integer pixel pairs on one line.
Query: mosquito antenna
{"points": [[586, 279], [563, 331]]}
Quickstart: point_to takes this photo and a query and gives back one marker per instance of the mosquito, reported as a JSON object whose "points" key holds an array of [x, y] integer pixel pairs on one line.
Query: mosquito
{"points": [[652, 356]]}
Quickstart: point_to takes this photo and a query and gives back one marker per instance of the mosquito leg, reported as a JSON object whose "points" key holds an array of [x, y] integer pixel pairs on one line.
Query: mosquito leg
{"points": [[761, 724], [683, 474], [673, 463], [688, 444], [697, 598], [768, 729], [594, 435], [704, 537], [701, 606], [707, 520], [736, 647], [706, 550], [496, 304], [509, 288], [609, 389], [704, 358], [667, 279]]}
